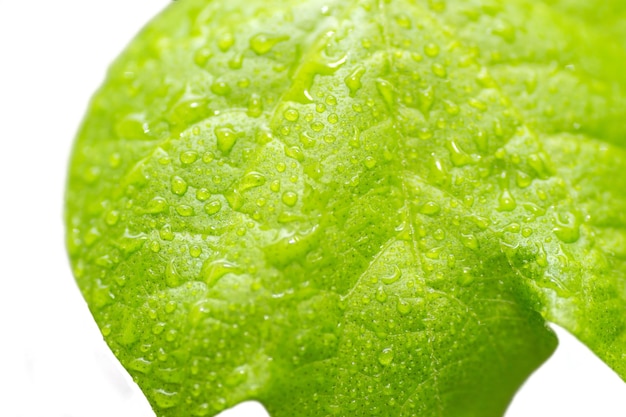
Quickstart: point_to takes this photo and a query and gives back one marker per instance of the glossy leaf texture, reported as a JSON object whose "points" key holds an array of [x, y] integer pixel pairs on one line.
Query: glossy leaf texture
{"points": [[355, 208]]}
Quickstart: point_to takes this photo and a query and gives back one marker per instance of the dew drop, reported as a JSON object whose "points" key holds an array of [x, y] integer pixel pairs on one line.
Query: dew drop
{"points": [[386, 356], [385, 89], [184, 210], [567, 227], [506, 201], [381, 294], [353, 80], [255, 106], [469, 241], [291, 114], [262, 43], [431, 50], [252, 180], [213, 207], [430, 208], [403, 306], [226, 138], [165, 399], [290, 198], [394, 276], [178, 187], [188, 157], [369, 162], [202, 194], [225, 41]]}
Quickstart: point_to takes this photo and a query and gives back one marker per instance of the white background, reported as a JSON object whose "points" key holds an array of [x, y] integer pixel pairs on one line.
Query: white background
{"points": [[53, 362]]}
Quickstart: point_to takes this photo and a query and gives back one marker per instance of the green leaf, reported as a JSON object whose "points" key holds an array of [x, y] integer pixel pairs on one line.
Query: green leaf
{"points": [[366, 207]]}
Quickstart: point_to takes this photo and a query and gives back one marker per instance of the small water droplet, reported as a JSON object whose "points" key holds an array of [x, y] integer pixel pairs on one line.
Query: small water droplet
{"points": [[353, 81], [290, 198], [439, 70], [381, 294], [165, 399], [506, 201], [255, 106], [469, 241], [394, 276], [252, 180], [262, 43], [386, 356], [385, 89], [213, 207], [188, 157], [369, 162], [567, 227], [430, 208], [291, 114], [184, 210], [225, 41], [178, 186], [226, 138], [431, 50], [220, 88], [202, 194]]}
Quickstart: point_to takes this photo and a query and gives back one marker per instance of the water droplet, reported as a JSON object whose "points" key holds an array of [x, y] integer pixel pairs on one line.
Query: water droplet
{"points": [[504, 30], [166, 233], [178, 186], [458, 157], [255, 106], [188, 157], [235, 199], [394, 276], [314, 63], [403, 21], [381, 294], [353, 81], [385, 89], [466, 278], [236, 62], [426, 99], [225, 41], [469, 241], [430, 208], [112, 217], [290, 198], [165, 399], [523, 180], [213, 271], [439, 70], [451, 108], [431, 50], [262, 43], [369, 162], [507, 201], [386, 356], [213, 207], [172, 277], [403, 306], [184, 210], [295, 152], [195, 251], [202, 194], [220, 88], [477, 104], [252, 180], [567, 227], [141, 365], [226, 138], [291, 114]]}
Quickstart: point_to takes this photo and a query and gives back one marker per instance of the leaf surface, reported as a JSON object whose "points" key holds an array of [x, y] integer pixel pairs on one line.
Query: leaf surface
{"points": [[355, 207]]}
